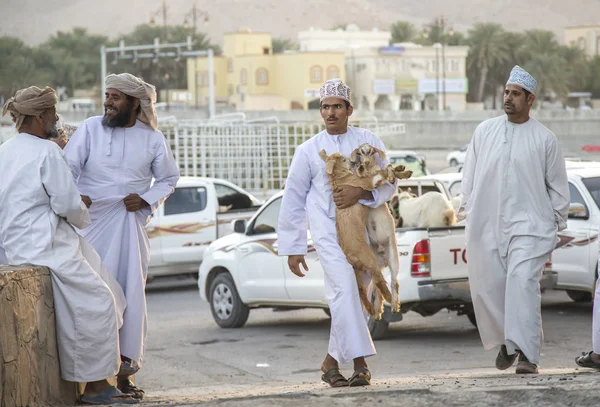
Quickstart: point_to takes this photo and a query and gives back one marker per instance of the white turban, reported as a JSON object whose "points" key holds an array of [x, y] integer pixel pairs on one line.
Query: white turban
{"points": [[335, 88], [31, 101], [522, 78], [133, 86]]}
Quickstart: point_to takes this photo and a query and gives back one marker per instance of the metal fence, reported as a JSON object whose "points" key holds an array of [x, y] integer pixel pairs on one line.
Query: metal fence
{"points": [[254, 155]]}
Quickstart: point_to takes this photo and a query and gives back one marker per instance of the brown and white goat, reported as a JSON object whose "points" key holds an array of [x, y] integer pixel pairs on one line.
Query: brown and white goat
{"points": [[381, 227], [351, 224]]}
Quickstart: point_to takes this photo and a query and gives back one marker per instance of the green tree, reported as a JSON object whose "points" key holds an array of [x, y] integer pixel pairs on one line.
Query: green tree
{"points": [[18, 67], [73, 58], [283, 44], [402, 31], [549, 72], [165, 73], [594, 79], [487, 49]]}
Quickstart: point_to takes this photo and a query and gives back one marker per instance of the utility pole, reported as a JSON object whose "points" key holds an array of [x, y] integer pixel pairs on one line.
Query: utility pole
{"points": [[155, 52], [443, 62]]}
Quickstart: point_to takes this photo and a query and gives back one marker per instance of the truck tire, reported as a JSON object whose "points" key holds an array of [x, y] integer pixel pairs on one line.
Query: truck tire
{"points": [[579, 296], [453, 163], [472, 319], [227, 308], [378, 329]]}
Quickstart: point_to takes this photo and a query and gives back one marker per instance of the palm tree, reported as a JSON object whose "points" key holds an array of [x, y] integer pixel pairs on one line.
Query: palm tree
{"points": [[549, 72], [487, 49], [402, 31]]}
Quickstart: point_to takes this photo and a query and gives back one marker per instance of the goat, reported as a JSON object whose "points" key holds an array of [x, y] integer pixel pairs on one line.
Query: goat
{"points": [[234, 201], [431, 209], [351, 224], [381, 224]]}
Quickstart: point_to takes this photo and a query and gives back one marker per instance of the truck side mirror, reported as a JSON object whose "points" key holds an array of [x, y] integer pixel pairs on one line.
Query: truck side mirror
{"points": [[578, 211], [239, 226]]}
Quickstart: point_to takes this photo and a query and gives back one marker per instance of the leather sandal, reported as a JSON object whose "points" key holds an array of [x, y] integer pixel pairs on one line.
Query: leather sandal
{"points": [[585, 360], [361, 377], [334, 378]]}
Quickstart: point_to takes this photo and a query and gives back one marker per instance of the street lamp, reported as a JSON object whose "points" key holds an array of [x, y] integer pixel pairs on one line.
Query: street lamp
{"points": [[439, 25], [162, 10], [194, 13]]}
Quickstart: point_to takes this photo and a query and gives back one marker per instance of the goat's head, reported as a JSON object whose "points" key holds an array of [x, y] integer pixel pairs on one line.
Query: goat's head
{"points": [[365, 154], [405, 194], [335, 163], [394, 205]]}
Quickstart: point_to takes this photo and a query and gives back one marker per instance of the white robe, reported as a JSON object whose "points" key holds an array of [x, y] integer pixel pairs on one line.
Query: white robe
{"points": [[38, 203], [308, 191], [109, 164], [515, 197]]}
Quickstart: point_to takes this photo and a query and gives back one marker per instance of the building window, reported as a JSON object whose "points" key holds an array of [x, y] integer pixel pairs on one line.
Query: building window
{"points": [[454, 65], [230, 90], [316, 74], [333, 72], [205, 78], [244, 77], [230, 65], [262, 76], [581, 43], [266, 51]]}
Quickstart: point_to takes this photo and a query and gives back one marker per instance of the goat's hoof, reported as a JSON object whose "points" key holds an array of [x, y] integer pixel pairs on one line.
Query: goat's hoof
{"points": [[376, 317], [396, 308]]}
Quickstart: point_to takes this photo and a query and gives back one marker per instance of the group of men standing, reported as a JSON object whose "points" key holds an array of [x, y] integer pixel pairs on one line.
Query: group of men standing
{"points": [[82, 213]]}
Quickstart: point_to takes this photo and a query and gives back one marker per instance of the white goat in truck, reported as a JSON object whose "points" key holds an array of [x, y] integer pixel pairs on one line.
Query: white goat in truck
{"points": [[380, 224], [431, 209]]}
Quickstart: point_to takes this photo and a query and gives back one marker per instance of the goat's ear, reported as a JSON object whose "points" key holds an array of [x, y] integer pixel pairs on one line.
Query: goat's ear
{"points": [[354, 156], [323, 155], [380, 152], [329, 166]]}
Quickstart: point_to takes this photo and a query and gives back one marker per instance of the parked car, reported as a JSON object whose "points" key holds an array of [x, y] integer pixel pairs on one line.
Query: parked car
{"points": [[188, 221], [411, 160], [455, 158], [577, 262]]}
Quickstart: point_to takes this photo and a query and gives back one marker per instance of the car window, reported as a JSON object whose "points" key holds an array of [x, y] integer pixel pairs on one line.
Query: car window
{"points": [[592, 185], [411, 163], [223, 190], [464, 148], [454, 189], [186, 200], [266, 221]]}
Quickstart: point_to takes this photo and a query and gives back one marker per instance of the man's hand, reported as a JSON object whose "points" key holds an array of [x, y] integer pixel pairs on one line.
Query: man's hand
{"points": [[134, 202], [346, 196], [86, 200], [294, 262]]}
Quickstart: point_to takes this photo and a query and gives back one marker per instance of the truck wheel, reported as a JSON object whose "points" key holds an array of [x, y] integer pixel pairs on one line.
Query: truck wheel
{"points": [[227, 308], [471, 316], [453, 163], [579, 296], [378, 329]]}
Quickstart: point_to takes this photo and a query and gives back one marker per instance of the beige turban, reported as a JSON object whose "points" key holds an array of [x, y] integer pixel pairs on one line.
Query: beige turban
{"points": [[31, 101], [137, 88]]}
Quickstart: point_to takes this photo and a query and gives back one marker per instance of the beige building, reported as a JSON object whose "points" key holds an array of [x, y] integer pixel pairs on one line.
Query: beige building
{"points": [[585, 37], [345, 40], [249, 76], [402, 76]]}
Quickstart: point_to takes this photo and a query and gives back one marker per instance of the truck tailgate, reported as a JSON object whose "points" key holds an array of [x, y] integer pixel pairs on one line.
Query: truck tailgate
{"points": [[448, 254]]}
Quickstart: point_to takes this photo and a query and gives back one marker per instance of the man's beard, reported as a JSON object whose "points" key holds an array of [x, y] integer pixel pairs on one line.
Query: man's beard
{"points": [[120, 119], [51, 131]]}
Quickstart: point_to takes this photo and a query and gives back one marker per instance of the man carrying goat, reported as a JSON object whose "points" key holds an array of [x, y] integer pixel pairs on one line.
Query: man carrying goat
{"points": [[515, 198], [308, 202]]}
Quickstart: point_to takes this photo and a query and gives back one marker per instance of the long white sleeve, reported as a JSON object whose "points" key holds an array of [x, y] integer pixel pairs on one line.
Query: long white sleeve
{"points": [[557, 183], [166, 175], [468, 172], [65, 200], [293, 224]]}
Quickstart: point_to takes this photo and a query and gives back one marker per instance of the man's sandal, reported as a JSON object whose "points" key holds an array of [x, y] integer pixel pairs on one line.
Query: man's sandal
{"points": [[110, 395], [585, 360], [129, 388], [334, 378], [361, 377]]}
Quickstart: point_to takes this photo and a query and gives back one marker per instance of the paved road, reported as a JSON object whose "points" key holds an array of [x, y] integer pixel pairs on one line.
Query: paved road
{"points": [[189, 356]]}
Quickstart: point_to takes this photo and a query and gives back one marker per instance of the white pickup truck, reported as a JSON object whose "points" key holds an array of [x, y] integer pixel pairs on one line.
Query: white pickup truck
{"points": [[189, 220], [577, 262], [243, 271]]}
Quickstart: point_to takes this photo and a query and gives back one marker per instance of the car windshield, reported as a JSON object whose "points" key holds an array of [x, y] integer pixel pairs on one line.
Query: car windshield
{"points": [[411, 163], [593, 185]]}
